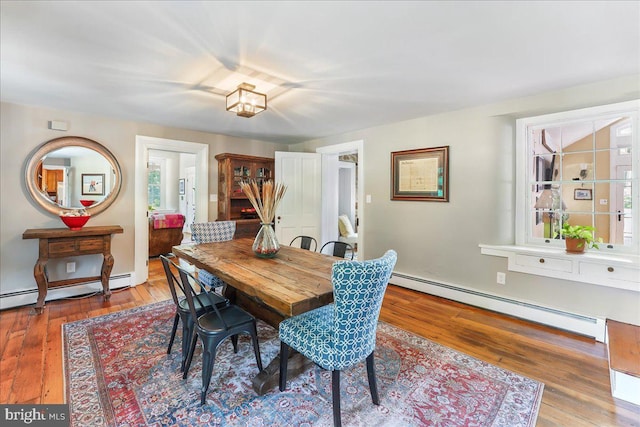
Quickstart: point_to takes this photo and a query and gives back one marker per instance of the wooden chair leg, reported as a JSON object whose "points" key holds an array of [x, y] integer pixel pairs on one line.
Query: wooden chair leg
{"points": [[173, 332], [371, 373], [284, 359], [335, 392]]}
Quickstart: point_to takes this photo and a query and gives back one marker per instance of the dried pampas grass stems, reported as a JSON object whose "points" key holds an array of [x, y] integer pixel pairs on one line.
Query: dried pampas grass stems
{"points": [[266, 203]]}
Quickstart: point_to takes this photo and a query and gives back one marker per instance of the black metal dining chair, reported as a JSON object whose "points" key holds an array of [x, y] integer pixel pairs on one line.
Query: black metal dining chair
{"points": [[201, 302], [305, 242], [213, 327], [339, 249]]}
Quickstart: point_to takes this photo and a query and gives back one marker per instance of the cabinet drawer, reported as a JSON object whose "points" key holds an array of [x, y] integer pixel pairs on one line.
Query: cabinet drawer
{"points": [[62, 247], [544, 262], [75, 246], [609, 272], [90, 244]]}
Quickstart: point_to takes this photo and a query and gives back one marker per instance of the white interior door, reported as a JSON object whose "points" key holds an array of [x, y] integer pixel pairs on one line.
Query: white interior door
{"points": [[299, 212], [190, 193]]}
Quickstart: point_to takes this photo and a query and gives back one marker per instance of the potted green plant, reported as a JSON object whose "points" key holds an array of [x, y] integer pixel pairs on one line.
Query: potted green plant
{"points": [[579, 237]]}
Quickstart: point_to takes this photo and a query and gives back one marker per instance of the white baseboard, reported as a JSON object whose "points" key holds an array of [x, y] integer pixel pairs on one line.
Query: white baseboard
{"points": [[30, 296], [584, 325]]}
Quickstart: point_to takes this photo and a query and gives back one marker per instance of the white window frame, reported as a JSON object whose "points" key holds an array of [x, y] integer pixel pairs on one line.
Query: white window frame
{"points": [[616, 267], [163, 176], [523, 230]]}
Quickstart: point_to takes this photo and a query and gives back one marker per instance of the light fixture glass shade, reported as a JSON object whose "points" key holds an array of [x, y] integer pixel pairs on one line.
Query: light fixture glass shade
{"points": [[245, 102]]}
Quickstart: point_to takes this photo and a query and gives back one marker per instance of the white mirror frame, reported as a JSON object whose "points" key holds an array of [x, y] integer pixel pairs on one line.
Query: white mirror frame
{"points": [[41, 151]]}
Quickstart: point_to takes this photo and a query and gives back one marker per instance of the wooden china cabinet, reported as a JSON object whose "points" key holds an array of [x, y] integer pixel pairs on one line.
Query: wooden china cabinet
{"points": [[233, 204]]}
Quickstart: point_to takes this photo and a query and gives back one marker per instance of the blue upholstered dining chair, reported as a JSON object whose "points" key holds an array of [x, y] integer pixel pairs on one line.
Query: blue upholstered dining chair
{"points": [[207, 232], [341, 334]]}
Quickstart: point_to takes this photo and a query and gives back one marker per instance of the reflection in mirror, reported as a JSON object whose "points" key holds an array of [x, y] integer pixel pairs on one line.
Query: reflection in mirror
{"points": [[73, 173], [581, 173]]}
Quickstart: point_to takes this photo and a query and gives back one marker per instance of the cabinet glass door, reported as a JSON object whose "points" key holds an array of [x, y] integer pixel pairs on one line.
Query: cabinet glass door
{"points": [[241, 172]]}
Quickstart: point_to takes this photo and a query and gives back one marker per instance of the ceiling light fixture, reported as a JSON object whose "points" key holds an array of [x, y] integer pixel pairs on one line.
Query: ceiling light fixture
{"points": [[245, 102]]}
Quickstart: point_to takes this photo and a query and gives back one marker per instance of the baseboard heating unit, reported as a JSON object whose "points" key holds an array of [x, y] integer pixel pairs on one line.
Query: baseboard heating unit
{"points": [[29, 296], [585, 325]]}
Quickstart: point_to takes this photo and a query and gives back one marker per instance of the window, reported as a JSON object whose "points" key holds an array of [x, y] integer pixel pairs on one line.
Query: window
{"points": [[154, 183], [579, 167]]}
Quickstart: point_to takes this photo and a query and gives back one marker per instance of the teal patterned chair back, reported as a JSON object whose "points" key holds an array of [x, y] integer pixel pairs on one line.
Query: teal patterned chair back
{"points": [[358, 290], [339, 335]]}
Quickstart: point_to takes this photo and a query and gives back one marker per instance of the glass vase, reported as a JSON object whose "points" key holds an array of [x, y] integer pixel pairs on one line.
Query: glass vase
{"points": [[266, 245]]}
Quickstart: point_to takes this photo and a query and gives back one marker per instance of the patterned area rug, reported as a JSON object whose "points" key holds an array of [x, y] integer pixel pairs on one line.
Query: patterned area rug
{"points": [[118, 373]]}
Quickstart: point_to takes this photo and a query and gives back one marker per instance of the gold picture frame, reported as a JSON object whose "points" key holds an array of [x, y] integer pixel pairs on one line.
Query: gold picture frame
{"points": [[420, 175]]}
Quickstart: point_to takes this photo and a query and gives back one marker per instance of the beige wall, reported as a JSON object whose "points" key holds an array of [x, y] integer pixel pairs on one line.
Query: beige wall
{"points": [[439, 241], [23, 128]]}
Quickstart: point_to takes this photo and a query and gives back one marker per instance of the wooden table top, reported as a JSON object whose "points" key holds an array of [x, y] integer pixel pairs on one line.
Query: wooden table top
{"points": [[53, 233], [293, 282]]}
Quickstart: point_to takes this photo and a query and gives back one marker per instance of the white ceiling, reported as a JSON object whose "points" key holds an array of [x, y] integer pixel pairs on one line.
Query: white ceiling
{"points": [[340, 66]]}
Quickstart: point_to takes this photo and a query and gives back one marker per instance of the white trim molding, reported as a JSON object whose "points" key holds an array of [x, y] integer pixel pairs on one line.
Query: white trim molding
{"points": [[584, 325], [143, 145]]}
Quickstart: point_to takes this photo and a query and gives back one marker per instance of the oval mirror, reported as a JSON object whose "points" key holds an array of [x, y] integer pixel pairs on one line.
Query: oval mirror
{"points": [[71, 173]]}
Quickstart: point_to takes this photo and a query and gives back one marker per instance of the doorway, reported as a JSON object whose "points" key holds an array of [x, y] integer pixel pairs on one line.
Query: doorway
{"points": [[333, 158], [201, 191]]}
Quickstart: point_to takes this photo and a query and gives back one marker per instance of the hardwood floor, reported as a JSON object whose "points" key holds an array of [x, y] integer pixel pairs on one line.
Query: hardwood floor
{"points": [[574, 369]]}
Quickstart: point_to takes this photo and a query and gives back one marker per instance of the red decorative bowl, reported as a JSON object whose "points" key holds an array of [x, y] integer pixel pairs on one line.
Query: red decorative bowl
{"points": [[75, 222], [87, 203]]}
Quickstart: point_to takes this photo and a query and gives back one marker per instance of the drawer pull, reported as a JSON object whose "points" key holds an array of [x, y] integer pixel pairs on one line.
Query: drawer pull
{"points": [[610, 269], [541, 260]]}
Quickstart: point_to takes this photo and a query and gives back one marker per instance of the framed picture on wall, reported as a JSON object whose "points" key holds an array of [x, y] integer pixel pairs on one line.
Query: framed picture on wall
{"points": [[421, 175], [582, 194], [93, 184], [181, 186]]}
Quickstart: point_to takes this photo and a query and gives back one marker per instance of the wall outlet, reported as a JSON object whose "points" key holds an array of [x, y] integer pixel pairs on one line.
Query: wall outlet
{"points": [[501, 278], [71, 267]]}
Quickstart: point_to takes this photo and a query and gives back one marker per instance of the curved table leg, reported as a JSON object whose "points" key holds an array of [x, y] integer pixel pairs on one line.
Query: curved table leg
{"points": [[107, 265], [269, 377], [40, 274]]}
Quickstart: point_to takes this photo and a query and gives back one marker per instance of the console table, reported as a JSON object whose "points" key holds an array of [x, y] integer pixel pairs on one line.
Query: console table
{"points": [[62, 242]]}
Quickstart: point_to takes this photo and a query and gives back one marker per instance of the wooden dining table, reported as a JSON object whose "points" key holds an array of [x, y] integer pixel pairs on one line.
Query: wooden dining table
{"points": [[272, 289]]}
